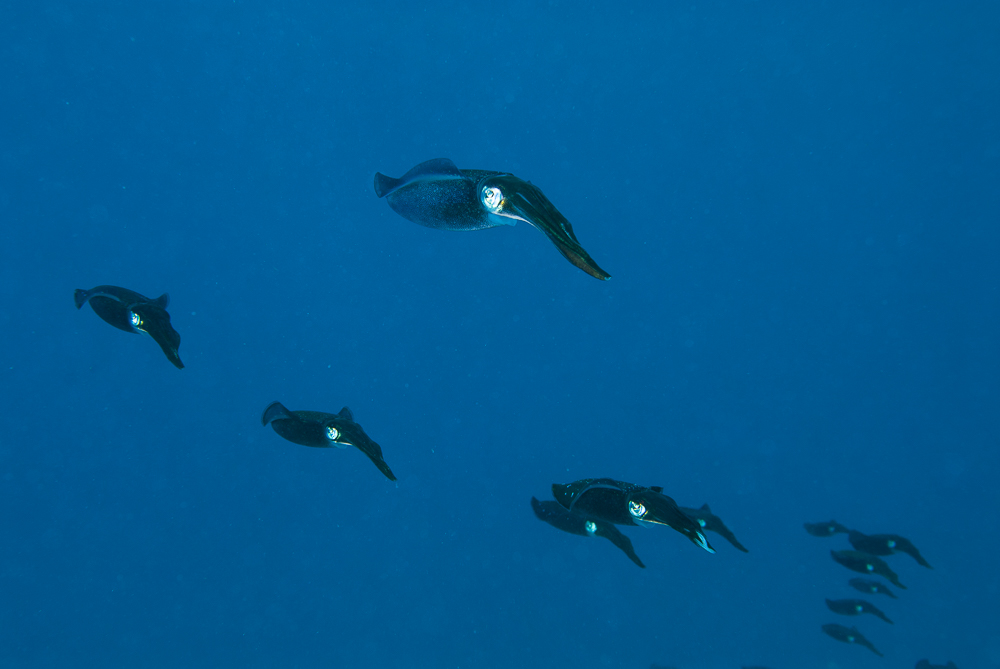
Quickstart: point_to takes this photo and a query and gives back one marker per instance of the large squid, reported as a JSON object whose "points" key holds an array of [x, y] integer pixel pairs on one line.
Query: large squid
{"points": [[439, 195]]}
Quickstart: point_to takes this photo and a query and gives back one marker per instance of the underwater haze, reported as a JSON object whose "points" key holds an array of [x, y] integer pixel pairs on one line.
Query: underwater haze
{"points": [[798, 204]]}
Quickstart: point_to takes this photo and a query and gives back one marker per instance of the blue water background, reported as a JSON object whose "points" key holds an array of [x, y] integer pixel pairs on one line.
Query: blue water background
{"points": [[798, 203]]}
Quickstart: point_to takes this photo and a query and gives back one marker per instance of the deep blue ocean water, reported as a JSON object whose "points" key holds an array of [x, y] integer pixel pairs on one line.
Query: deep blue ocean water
{"points": [[799, 205]]}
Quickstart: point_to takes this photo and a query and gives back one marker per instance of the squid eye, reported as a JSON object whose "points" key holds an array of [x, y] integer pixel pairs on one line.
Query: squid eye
{"points": [[492, 198], [637, 509], [135, 319], [892, 544], [332, 433], [702, 522], [591, 527]]}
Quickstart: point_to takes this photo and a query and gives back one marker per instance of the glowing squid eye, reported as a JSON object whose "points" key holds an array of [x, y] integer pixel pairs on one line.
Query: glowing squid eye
{"points": [[591, 527], [135, 319], [869, 567], [892, 544], [637, 509], [859, 608], [492, 198], [702, 522], [332, 433]]}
